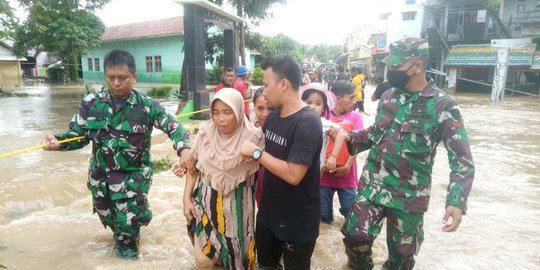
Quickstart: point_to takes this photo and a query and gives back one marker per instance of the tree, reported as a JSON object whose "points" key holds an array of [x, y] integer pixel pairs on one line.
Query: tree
{"points": [[68, 28], [255, 11], [7, 19], [281, 44], [324, 52]]}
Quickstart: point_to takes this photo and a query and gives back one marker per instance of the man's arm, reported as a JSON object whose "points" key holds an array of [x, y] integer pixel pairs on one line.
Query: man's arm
{"points": [[455, 140], [291, 173], [176, 132], [454, 137], [302, 152], [77, 127]]}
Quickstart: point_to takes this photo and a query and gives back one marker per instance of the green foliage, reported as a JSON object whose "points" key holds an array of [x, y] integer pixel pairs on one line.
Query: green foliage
{"points": [[68, 28], [11, 94], [214, 45], [254, 10], [281, 44], [157, 92], [88, 89], [56, 73], [257, 76], [163, 164], [324, 52], [215, 75], [8, 21]]}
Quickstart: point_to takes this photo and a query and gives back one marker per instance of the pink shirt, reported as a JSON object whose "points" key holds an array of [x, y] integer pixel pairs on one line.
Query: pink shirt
{"points": [[349, 180], [241, 87]]}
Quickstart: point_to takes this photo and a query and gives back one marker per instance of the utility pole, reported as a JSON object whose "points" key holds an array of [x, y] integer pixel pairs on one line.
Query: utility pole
{"points": [[501, 67]]}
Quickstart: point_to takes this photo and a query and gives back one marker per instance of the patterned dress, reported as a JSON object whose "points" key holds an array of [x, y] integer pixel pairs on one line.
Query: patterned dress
{"points": [[224, 225]]}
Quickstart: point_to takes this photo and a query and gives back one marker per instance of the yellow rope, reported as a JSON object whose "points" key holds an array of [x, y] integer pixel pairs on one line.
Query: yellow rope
{"points": [[82, 137], [39, 146]]}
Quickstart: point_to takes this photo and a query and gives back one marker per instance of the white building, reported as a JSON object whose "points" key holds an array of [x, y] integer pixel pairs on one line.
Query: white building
{"points": [[405, 20]]}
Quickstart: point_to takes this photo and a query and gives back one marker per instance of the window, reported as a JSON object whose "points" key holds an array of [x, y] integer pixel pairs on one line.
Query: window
{"points": [[408, 16], [97, 65], [157, 63], [491, 26], [90, 68], [410, 2], [149, 64]]}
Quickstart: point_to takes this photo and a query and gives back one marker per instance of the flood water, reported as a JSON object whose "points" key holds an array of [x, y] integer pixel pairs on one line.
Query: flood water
{"points": [[46, 219]]}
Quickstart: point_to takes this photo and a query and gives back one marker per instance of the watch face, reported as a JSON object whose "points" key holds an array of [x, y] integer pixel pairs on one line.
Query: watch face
{"points": [[256, 154]]}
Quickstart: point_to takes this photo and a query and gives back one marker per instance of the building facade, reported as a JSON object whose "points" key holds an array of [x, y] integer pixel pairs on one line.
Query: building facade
{"points": [[155, 45], [10, 66]]}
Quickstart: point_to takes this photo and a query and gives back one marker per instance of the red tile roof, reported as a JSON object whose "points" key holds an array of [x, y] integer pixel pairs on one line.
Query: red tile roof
{"points": [[158, 28]]}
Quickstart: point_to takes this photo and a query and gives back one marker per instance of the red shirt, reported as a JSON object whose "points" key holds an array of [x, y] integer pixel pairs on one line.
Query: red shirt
{"points": [[241, 87]]}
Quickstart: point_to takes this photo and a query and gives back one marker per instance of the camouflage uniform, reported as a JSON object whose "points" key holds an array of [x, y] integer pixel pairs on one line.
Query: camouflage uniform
{"points": [[396, 179], [120, 172]]}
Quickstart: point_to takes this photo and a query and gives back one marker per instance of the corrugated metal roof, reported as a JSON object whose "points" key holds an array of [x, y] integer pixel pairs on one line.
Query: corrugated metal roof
{"points": [[158, 28], [485, 55]]}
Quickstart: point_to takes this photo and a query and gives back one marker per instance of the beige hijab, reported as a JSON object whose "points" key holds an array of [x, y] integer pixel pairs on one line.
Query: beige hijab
{"points": [[218, 154]]}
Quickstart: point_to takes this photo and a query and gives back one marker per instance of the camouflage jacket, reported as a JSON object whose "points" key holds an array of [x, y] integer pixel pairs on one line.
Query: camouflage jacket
{"points": [[403, 142], [121, 141]]}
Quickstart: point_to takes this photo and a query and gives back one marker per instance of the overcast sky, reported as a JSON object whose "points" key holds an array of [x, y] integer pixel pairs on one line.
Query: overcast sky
{"points": [[307, 21]]}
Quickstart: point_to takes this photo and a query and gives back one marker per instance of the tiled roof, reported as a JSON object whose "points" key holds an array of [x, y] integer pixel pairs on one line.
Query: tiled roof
{"points": [[485, 55], [158, 28]]}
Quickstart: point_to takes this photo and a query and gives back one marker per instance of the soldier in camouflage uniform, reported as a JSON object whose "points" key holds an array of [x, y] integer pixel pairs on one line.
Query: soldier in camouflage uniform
{"points": [[119, 122], [413, 117]]}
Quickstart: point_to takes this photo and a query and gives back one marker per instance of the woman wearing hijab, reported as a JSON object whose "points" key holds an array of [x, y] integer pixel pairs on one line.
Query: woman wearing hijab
{"points": [[219, 202]]}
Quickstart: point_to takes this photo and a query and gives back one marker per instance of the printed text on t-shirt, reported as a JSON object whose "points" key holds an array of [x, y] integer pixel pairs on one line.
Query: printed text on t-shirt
{"points": [[276, 138]]}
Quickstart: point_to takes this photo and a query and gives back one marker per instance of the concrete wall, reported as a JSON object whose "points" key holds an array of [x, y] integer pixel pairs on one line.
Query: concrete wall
{"points": [[10, 74], [169, 48]]}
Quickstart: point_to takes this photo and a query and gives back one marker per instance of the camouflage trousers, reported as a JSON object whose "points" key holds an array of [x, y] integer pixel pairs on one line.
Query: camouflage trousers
{"points": [[125, 217], [404, 234]]}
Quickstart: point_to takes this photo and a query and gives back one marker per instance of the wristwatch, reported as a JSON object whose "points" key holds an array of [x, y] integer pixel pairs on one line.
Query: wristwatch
{"points": [[257, 153]]}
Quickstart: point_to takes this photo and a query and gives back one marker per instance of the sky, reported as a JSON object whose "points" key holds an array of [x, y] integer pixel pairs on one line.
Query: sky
{"points": [[309, 22]]}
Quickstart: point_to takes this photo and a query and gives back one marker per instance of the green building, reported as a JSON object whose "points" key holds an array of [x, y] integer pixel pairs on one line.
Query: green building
{"points": [[156, 45]]}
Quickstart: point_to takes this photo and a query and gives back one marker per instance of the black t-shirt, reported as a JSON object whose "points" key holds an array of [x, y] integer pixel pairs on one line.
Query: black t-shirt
{"points": [[293, 212]]}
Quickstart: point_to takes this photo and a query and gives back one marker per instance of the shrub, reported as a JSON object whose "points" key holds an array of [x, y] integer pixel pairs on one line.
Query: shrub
{"points": [[163, 164], [56, 73], [156, 92], [215, 75], [257, 76]]}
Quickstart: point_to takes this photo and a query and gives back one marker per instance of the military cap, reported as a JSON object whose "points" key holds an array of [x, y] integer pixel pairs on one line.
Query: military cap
{"points": [[402, 50]]}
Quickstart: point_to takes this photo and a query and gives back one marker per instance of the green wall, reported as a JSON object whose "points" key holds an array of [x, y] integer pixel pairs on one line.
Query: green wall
{"points": [[169, 48]]}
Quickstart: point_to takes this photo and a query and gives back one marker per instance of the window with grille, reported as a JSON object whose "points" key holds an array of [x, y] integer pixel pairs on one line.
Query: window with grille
{"points": [[157, 63], [408, 16], [97, 65], [149, 67], [90, 68]]}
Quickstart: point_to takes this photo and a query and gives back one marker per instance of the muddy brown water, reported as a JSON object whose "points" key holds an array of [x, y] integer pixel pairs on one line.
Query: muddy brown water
{"points": [[46, 219]]}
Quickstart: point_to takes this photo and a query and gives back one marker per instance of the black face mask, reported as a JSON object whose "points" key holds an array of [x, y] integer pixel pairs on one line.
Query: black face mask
{"points": [[399, 78]]}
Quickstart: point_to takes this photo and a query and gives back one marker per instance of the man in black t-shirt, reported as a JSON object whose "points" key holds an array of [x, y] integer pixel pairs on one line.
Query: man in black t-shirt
{"points": [[289, 212]]}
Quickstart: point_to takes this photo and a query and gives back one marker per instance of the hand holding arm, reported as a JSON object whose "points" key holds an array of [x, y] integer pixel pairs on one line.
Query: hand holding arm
{"points": [[178, 170], [187, 162]]}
